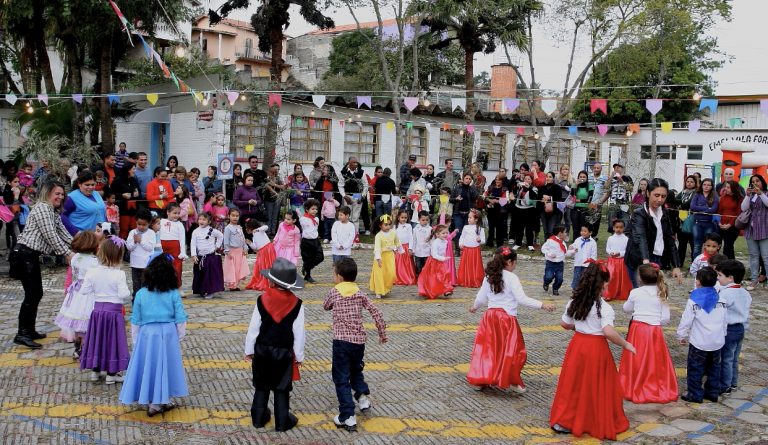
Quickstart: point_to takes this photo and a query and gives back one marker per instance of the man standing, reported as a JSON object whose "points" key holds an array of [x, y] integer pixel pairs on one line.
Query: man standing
{"points": [[109, 167], [273, 185], [143, 173], [382, 198], [446, 178], [120, 156], [405, 174], [621, 190], [463, 197], [601, 193], [353, 184], [259, 176], [728, 175]]}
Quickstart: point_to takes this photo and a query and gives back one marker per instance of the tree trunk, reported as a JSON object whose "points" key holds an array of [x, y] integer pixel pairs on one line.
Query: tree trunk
{"points": [[469, 85], [43, 62], [105, 109], [75, 82], [276, 75], [28, 66]]}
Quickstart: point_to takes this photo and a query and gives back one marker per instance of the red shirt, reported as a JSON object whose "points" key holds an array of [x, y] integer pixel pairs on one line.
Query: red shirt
{"points": [[728, 206]]}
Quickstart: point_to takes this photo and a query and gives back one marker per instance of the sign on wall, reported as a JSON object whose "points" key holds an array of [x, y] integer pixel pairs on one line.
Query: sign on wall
{"points": [[226, 165]]}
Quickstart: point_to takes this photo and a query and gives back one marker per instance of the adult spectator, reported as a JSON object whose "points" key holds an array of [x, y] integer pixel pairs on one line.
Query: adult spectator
{"points": [[566, 182], [639, 198], [120, 156], [247, 200], [354, 189], [728, 175], [497, 213], [259, 175], [429, 176], [446, 178], [127, 194], [619, 196], [729, 208], [704, 205], [172, 163], [232, 184], [108, 167], [143, 173], [503, 176], [526, 214], [463, 197], [600, 194], [405, 174], [537, 173], [41, 174], [478, 182], [83, 209], [383, 189], [550, 194], [582, 195], [270, 194], [211, 185], [159, 191], [198, 192], [685, 235], [179, 177], [651, 239], [45, 234], [297, 168], [756, 233], [328, 182], [10, 171], [317, 170], [417, 180]]}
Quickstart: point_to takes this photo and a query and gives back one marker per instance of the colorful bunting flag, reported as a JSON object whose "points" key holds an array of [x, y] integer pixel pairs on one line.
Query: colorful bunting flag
{"points": [[411, 103], [549, 106], [547, 132], [470, 129], [694, 125], [510, 105], [43, 98], [318, 100], [123, 20], [573, 130], [152, 98], [175, 81], [311, 123], [666, 127], [326, 122], [11, 98], [77, 98], [708, 103], [232, 97], [735, 122], [602, 129], [248, 148], [299, 121], [520, 131], [653, 105], [113, 98], [598, 104], [390, 125], [458, 103], [764, 106], [275, 99], [409, 125], [364, 100], [446, 127], [634, 128], [147, 48], [183, 87], [341, 123], [496, 130]]}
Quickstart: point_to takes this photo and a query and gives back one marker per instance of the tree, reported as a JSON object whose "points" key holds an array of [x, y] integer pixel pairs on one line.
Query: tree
{"points": [[145, 72]]}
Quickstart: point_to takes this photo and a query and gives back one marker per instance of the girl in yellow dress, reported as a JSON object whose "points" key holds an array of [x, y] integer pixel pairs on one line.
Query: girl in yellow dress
{"points": [[385, 245]]}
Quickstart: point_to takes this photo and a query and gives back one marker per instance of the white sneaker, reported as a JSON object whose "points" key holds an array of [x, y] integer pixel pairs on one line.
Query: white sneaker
{"points": [[325, 241], [530, 248], [364, 403], [94, 376], [112, 379], [350, 424], [518, 389], [515, 247], [367, 232]]}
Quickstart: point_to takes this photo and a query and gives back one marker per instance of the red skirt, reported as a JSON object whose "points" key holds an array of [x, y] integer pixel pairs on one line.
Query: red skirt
{"points": [[647, 376], [405, 270], [471, 272], [499, 353], [173, 248], [434, 280], [619, 286], [588, 397], [265, 257]]}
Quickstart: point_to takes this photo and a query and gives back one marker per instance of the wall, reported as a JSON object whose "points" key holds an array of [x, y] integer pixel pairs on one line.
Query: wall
{"points": [[9, 133]]}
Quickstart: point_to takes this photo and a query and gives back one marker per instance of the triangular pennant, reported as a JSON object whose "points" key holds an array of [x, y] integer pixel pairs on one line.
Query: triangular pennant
{"points": [[653, 105], [390, 125], [764, 106], [602, 129], [549, 106], [428, 127], [198, 96], [634, 128], [77, 98], [326, 122], [547, 132], [341, 123], [275, 99], [409, 125], [708, 103], [113, 99], [520, 131], [248, 148], [446, 127], [694, 125], [364, 100], [457, 102], [666, 127], [735, 122], [183, 87], [496, 130], [311, 123], [152, 98], [573, 130], [175, 81], [359, 124], [11, 98], [232, 97], [147, 48], [598, 104], [299, 121], [411, 103], [470, 129], [43, 98], [318, 100], [510, 105]]}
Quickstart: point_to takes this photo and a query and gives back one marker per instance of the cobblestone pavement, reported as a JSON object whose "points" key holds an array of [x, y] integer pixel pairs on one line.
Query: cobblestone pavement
{"points": [[418, 385]]}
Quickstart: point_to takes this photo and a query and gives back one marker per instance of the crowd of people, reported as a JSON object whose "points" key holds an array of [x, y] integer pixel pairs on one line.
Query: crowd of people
{"points": [[156, 219]]}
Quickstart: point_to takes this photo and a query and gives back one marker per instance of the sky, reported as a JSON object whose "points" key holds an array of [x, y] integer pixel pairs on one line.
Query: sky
{"points": [[745, 73]]}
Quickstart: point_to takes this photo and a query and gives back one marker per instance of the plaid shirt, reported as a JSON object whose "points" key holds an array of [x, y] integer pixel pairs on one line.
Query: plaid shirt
{"points": [[44, 231], [348, 316]]}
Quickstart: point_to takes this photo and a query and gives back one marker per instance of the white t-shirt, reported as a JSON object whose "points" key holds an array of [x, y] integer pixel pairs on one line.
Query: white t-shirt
{"points": [[592, 325], [200, 246], [309, 227], [106, 285], [645, 305], [342, 238]]}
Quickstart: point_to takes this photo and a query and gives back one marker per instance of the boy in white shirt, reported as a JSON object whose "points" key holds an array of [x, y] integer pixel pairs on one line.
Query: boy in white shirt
{"points": [[585, 248], [420, 246], [555, 251], [711, 247], [704, 326], [342, 235], [141, 244], [730, 273]]}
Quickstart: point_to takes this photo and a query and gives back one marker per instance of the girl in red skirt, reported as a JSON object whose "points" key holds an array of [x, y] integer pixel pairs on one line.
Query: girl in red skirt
{"points": [[471, 263], [173, 238], [265, 254], [588, 397], [434, 280], [648, 376], [405, 272], [499, 353], [615, 247]]}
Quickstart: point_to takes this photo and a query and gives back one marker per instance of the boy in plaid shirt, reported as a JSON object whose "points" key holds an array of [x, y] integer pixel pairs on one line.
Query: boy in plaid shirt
{"points": [[347, 301]]}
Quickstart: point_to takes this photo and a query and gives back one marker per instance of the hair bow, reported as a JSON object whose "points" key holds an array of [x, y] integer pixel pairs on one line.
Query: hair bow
{"points": [[506, 251], [385, 219], [655, 266], [599, 263], [119, 242]]}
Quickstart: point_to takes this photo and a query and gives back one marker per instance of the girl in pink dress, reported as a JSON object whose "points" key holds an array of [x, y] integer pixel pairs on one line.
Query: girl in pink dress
{"points": [[288, 238]]}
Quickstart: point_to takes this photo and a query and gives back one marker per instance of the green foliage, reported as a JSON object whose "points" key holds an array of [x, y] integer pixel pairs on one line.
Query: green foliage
{"points": [[56, 151], [146, 72]]}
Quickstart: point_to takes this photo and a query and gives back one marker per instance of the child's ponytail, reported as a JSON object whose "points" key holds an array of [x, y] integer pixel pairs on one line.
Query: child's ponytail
{"points": [[435, 230], [651, 274], [495, 268], [478, 220]]}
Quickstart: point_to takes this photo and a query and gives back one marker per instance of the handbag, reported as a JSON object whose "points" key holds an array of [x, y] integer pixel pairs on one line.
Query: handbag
{"points": [[549, 207], [742, 221], [6, 215], [570, 201], [687, 226]]}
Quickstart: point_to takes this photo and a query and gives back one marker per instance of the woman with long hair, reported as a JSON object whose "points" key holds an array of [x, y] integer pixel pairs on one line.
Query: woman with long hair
{"points": [[582, 195], [704, 204], [685, 234], [756, 232], [550, 194], [729, 208]]}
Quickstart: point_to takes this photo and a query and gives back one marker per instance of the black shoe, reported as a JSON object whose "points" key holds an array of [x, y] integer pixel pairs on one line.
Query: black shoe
{"points": [[309, 279], [555, 292], [546, 287], [712, 399], [37, 335], [292, 421], [26, 341], [689, 399]]}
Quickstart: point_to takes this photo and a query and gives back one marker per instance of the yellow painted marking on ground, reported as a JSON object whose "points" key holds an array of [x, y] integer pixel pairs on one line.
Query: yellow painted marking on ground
{"points": [[383, 425], [645, 427]]}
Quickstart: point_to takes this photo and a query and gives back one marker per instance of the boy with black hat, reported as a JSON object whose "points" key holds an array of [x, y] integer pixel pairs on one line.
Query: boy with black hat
{"points": [[275, 345]]}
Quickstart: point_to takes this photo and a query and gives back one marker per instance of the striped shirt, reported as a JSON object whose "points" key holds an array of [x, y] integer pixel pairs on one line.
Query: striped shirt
{"points": [[44, 231], [758, 223]]}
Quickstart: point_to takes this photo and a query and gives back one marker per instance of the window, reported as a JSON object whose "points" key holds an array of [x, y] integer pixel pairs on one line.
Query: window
{"points": [[524, 151], [593, 150], [247, 67], [695, 152], [451, 147], [663, 152], [618, 154], [361, 141], [494, 149], [416, 144], [559, 154], [249, 129], [204, 45], [310, 138]]}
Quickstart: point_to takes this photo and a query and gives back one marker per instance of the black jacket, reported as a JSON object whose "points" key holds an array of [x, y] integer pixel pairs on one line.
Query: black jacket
{"points": [[642, 234], [468, 198]]}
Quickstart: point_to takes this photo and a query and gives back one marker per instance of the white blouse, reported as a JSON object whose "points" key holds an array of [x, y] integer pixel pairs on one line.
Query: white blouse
{"points": [[645, 305], [308, 227], [508, 299], [616, 244], [592, 325], [405, 234], [469, 236], [106, 285]]}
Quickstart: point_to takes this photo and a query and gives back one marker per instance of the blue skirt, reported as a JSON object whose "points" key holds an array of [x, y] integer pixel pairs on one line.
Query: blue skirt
{"points": [[155, 373]]}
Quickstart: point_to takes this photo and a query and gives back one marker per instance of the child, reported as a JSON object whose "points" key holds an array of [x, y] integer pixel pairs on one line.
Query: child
{"points": [[585, 248], [101, 182], [235, 250], [155, 226], [265, 254], [704, 326], [588, 397], [396, 204], [346, 301], [113, 212], [76, 308], [328, 214], [649, 375], [26, 179], [300, 192], [173, 238], [207, 273], [186, 204], [418, 203], [141, 244], [275, 345], [405, 274], [219, 211], [434, 280], [105, 347], [420, 247], [711, 247], [343, 235], [555, 252], [386, 243], [311, 250], [450, 263], [471, 263], [444, 207], [615, 247], [288, 238], [499, 354], [730, 273], [158, 323]]}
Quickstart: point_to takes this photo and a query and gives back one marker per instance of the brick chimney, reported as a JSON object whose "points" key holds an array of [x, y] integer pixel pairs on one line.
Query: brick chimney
{"points": [[503, 85]]}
